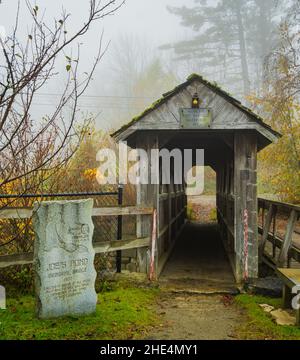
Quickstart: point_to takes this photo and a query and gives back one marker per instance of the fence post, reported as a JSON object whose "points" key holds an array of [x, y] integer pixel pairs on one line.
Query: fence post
{"points": [[283, 256], [266, 230], [119, 230], [152, 274]]}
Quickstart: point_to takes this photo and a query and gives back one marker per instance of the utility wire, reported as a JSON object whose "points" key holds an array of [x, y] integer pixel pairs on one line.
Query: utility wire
{"points": [[107, 106], [100, 96]]}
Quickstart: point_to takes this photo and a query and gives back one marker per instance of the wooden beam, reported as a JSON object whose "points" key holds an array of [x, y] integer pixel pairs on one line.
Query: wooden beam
{"points": [[269, 261], [265, 203], [100, 247], [169, 214], [147, 196], [26, 213], [111, 246], [16, 213], [129, 210], [245, 208], [266, 230], [294, 251], [16, 259], [283, 256], [166, 196]]}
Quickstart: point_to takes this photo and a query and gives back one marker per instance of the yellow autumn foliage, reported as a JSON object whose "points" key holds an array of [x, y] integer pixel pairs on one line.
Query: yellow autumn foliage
{"points": [[279, 163]]}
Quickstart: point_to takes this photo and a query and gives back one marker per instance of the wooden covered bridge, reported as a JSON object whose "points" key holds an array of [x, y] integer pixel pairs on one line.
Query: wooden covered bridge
{"points": [[199, 115], [195, 115]]}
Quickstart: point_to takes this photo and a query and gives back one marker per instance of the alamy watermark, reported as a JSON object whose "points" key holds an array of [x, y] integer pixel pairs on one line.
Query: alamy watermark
{"points": [[164, 166], [2, 298], [296, 298]]}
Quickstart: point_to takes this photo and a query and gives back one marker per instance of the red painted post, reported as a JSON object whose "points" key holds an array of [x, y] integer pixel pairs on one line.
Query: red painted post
{"points": [[152, 275], [246, 272]]}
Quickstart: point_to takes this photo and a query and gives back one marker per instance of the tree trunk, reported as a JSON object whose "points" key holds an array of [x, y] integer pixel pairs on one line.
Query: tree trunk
{"points": [[243, 52], [264, 24]]}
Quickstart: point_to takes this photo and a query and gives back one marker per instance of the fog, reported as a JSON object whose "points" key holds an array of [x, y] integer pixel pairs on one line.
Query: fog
{"points": [[141, 27]]}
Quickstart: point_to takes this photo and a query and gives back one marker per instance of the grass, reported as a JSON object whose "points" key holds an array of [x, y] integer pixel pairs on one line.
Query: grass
{"points": [[260, 325], [123, 313]]}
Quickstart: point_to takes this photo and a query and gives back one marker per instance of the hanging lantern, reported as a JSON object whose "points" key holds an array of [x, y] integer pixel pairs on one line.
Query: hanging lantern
{"points": [[195, 101]]}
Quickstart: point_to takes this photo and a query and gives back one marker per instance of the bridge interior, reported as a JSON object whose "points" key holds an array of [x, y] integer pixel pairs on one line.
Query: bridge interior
{"points": [[199, 253], [199, 261]]}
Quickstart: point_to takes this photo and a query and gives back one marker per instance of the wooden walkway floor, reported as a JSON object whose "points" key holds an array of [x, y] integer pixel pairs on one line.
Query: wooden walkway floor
{"points": [[199, 262]]}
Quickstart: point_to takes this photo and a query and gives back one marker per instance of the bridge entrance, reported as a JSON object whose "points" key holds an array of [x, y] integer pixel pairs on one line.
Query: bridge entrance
{"points": [[199, 261], [199, 115]]}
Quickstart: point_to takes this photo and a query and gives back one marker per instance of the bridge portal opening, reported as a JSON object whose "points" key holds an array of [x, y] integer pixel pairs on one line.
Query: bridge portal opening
{"points": [[198, 258], [202, 208]]}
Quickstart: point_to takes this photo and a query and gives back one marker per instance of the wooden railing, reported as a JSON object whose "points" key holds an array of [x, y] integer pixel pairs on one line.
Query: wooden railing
{"points": [[100, 247], [285, 249], [172, 214]]}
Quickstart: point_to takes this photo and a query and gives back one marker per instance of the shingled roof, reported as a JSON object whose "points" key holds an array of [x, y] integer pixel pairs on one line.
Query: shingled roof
{"points": [[214, 87]]}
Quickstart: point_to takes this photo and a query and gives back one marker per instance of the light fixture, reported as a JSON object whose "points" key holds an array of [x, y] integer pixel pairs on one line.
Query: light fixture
{"points": [[195, 101]]}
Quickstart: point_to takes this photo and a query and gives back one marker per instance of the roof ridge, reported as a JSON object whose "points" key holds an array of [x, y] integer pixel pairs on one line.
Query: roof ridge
{"points": [[214, 87]]}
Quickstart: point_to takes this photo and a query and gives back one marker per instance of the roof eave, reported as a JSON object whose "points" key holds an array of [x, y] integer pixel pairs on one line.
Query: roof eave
{"points": [[214, 87]]}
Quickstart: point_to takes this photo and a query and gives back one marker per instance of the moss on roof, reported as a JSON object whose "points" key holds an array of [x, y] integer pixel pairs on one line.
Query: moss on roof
{"points": [[213, 86]]}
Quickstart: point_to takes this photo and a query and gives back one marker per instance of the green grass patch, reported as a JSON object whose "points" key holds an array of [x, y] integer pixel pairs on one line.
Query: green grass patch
{"points": [[260, 325], [123, 313]]}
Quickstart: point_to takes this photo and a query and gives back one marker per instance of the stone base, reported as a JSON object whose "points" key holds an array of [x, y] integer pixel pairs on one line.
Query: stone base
{"points": [[268, 286]]}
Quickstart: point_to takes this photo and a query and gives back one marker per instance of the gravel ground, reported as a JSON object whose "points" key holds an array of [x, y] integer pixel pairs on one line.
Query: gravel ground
{"points": [[196, 317]]}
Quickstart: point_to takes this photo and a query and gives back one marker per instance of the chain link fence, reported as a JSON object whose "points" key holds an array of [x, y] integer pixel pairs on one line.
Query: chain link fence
{"points": [[17, 235]]}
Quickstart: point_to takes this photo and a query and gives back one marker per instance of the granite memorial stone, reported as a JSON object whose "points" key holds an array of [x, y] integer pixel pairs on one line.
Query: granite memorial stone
{"points": [[64, 258]]}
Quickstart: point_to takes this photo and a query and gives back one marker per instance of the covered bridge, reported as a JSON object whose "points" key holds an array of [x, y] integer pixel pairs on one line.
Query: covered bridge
{"points": [[199, 115]]}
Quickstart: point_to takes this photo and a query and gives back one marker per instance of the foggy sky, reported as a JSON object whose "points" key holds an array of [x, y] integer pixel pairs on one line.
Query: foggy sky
{"points": [[147, 19]]}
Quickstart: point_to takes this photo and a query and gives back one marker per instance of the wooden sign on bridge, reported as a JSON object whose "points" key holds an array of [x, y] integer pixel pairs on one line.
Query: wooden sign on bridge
{"points": [[195, 118]]}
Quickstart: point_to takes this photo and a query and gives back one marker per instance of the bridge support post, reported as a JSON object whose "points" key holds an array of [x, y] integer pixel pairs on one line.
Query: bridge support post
{"points": [[245, 189], [147, 195]]}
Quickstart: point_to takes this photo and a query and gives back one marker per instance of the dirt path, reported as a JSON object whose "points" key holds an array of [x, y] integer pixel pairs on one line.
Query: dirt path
{"points": [[196, 317], [196, 289], [199, 262]]}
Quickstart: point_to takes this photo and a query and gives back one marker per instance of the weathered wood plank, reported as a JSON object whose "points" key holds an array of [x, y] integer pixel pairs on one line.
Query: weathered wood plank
{"points": [[269, 261], [16, 213], [129, 210], [266, 230], [100, 247], [169, 206], [245, 224], [147, 196], [25, 213], [165, 196], [290, 276], [265, 203], [293, 251], [176, 217], [283, 256], [105, 247], [16, 259]]}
